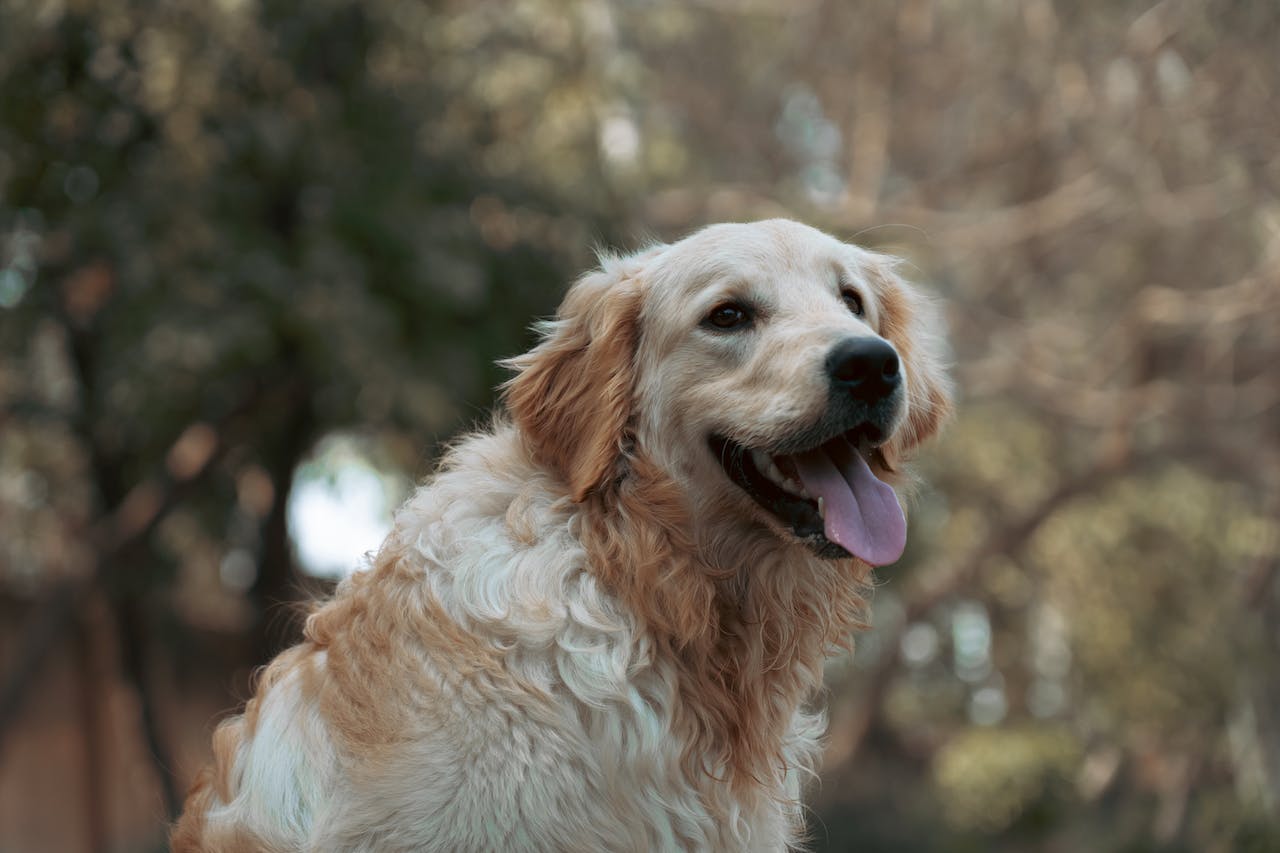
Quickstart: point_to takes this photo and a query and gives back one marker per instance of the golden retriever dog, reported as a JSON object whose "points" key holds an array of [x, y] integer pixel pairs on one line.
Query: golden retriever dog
{"points": [[597, 626]]}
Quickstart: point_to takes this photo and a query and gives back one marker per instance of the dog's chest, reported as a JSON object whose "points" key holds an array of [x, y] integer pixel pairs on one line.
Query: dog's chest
{"points": [[583, 742], [603, 767], [642, 752]]}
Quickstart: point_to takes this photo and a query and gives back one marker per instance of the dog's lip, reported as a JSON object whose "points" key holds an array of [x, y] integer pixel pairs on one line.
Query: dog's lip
{"points": [[792, 506]]}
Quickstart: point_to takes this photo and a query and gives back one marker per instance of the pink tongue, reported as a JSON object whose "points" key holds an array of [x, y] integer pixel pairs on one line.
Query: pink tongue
{"points": [[862, 513]]}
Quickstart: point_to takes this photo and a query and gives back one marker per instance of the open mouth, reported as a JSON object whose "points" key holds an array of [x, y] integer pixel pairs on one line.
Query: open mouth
{"points": [[826, 495]]}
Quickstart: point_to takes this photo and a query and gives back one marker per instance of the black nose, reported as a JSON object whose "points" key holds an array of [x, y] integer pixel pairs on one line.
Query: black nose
{"points": [[867, 368]]}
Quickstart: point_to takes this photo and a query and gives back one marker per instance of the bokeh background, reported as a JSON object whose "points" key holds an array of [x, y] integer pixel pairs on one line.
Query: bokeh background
{"points": [[257, 259]]}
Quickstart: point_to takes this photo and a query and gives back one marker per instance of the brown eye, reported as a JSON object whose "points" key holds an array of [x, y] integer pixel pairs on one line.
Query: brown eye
{"points": [[854, 302], [730, 315]]}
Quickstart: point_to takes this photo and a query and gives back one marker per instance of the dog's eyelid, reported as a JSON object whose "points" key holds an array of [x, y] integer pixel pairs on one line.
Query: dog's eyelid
{"points": [[854, 301], [729, 313], [859, 298]]}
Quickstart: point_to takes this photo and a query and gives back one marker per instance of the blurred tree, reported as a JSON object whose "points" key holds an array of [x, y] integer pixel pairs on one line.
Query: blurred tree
{"points": [[230, 230]]}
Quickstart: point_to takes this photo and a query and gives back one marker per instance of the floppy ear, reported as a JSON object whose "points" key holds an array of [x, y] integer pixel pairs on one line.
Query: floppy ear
{"points": [[913, 324], [572, 394]]}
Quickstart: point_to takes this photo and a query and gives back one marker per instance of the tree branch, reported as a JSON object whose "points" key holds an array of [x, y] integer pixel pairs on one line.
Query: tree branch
{"points": [[115, 533]]}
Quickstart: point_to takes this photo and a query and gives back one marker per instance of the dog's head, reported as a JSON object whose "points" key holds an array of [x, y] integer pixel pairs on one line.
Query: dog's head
{"points": [[777, 374]]}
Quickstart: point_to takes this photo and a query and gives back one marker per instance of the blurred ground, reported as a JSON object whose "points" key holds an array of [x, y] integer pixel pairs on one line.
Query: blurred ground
{"points": [[253, 251]]}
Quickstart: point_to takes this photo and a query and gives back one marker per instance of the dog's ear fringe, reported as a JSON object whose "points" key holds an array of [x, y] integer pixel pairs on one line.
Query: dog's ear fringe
{"points": [[571, 396], [610, 264], [913, 323]]}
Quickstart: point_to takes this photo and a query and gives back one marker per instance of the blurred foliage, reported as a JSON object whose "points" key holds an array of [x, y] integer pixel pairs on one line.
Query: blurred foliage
{"points": [[988, 777], [230, 230], [1140, 569]]}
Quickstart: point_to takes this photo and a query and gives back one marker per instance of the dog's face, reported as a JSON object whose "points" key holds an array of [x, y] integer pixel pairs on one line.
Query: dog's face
{"points": [[776, 373]]}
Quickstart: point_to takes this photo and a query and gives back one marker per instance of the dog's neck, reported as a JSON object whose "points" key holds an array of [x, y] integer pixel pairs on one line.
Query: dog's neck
{"points": [[749, 626]]}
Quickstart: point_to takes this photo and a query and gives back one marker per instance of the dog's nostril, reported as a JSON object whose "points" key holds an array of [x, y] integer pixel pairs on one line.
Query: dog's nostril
{"points": [[867, 366], [890, 369], [852, 370]]}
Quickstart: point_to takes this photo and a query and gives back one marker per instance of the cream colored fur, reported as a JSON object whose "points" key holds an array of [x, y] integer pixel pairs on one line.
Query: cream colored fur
{"points": [[581, 635]]}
